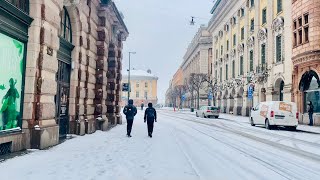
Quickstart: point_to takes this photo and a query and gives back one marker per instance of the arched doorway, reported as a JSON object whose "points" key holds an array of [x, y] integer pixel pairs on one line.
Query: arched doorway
{"points": [[310, 87], [278, 90], [63, 74]]}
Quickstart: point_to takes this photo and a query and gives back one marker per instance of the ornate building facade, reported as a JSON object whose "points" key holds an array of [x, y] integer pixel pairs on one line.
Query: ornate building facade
{"points": [[251, 48], [70, 62], [306, 57], [198, 59]]}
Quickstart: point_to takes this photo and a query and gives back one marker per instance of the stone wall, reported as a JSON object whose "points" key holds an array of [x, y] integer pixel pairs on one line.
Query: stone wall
{"points": [[95, 69]]}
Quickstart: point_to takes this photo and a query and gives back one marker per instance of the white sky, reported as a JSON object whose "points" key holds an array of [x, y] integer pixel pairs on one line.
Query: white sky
{"points": [[160, 33]]}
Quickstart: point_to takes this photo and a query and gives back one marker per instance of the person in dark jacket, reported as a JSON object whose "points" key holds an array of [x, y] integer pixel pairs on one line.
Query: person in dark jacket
{"points": [[130, 111], [310, 112], [150, 116]]}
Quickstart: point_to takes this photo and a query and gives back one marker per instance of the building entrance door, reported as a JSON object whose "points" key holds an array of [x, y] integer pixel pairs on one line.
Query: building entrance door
{"points": [[62, 98]]}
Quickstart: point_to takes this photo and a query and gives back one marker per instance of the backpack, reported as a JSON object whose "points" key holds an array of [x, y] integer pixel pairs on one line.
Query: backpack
{"points": [[150, 113], [130, 111]]}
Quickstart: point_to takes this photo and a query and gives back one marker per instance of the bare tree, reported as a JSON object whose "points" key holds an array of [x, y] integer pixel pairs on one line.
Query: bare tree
{"points": [[190, 89], [179, 92], [197, 81]]}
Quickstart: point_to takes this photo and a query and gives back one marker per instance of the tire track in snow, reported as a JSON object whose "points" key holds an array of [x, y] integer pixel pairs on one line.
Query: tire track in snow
{"points": [[304, 154]]}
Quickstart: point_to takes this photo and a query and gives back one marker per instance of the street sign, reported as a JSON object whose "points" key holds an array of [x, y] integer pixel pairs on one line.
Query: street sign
{"points": [[250, 92], [125, 87], [183, 97]]}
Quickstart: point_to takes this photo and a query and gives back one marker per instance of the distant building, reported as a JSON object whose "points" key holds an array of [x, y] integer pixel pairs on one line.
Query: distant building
{"points": [[144, 87]]}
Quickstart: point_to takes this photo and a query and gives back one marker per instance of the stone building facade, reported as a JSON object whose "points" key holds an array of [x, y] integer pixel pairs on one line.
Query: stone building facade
{"points": [[198, 59], [251, 48], [306, 57], [72, 68]]}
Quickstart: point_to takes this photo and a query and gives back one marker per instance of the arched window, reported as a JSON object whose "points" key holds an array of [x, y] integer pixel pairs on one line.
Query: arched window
{"points": [[65, 27], [310, 85]]}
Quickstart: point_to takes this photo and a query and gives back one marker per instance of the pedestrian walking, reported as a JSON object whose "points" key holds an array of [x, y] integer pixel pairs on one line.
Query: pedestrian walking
{"points": [[130, 111], [150, 116], [310, 108], [142, 105]]}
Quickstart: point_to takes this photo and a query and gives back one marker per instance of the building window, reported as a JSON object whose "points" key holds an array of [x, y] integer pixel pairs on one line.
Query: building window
{"points": [[146, 94], [251, 61], [21, 4], [242, 12], [251, 3], [233, 69], [300, 37], [306, 34], [279, 6], [234, 20], [221, 50], [234, 40], [146, 85], [306, 28], [310, 84], [137, 94], [242, 33], [279, 48], [65, 26], [227, 72], [264, 16], [220, 74], [263, 54], [217, 53], [137, 84], [211, 68], [216, 74], [301, 30], [241, 65], [227, 45], [252, 25]]}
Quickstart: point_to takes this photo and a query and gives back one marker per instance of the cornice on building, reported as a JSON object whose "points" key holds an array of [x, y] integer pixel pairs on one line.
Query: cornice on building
{"points": [[202, 39]]}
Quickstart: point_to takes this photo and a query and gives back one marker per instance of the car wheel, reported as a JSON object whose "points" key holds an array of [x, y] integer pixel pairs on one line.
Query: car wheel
{"points": [[251, 122], [267, 125]]}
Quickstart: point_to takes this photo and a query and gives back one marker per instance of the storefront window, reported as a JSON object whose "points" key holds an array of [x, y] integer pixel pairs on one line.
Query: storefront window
{"points": [[12, 63], [310, 85]]}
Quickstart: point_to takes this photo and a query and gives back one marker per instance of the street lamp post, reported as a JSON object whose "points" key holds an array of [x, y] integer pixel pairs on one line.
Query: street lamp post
{"points": [[129, 84]]}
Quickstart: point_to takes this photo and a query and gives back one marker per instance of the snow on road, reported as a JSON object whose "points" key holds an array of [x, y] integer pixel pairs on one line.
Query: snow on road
{"points": [[183, 147]]}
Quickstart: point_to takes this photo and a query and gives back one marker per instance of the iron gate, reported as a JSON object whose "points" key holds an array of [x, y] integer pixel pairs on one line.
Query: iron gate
{"points": [[62, 98]]}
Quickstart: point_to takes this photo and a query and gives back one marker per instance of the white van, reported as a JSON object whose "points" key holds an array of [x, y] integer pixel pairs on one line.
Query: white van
{"points": [[275, 113]]}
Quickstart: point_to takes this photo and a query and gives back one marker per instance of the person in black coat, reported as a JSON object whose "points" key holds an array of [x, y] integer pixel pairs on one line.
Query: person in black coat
{"points": [[310, 108], [130, 111], [150, 116]]}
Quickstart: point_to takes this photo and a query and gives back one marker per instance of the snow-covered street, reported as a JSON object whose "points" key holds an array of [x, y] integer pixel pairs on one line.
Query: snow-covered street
{"points": [[182, 147]]}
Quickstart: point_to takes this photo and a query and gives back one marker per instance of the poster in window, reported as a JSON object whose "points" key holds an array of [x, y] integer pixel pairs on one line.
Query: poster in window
{"points": [[11, 64]]}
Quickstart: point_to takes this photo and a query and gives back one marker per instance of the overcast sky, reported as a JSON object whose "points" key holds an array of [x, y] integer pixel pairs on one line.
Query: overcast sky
{"points": [[160, 33]]}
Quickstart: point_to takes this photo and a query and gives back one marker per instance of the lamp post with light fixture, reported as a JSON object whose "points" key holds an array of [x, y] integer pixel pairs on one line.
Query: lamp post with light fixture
{"points": [[129, 84]]}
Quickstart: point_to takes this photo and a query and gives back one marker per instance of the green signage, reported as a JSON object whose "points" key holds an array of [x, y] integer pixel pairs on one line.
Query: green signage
{"points": [[11, 64]]}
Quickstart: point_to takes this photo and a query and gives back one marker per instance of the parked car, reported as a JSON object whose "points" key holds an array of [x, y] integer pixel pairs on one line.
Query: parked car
{"points": [[275, 113], [208, 111]]}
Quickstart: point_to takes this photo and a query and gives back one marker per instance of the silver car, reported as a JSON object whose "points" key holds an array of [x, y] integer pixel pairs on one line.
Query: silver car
{"points": [[208, 111]]}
